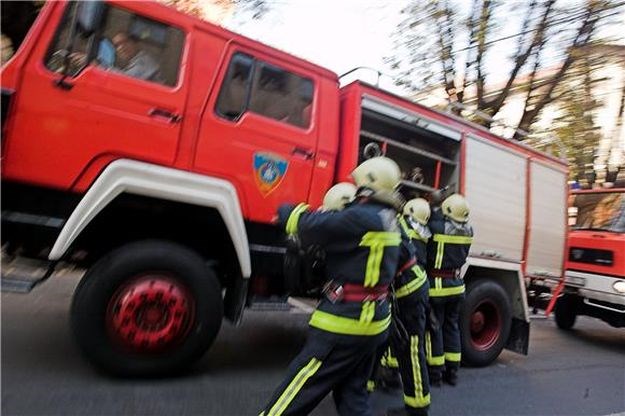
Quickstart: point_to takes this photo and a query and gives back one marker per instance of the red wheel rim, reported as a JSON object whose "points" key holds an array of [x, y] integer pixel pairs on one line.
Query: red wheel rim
{"points": [[150, 313], [485, 325]]}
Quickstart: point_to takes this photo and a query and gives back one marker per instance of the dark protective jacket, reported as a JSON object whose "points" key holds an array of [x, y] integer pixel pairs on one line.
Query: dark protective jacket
{"points": [[447, 251], [361, 244], [412, 258]]}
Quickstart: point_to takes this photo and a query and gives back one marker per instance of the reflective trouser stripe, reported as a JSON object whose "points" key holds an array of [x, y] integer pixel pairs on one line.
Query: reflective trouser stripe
{"points": [[437, 291], [438, 360], [347, 326], [453, 357], [431, 359], [419, 400], [291, 223], [370, 386], [414, 284], [388, 360], [367, 313], [294, 387], [376, 241]]}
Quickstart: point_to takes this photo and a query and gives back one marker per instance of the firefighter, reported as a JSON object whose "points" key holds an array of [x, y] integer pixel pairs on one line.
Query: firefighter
{"points": [[447, 252], [411, 306], [339, 196], [361, 243]]}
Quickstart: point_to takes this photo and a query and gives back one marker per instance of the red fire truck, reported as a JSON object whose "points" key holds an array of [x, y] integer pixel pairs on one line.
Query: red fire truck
{"points": [[153, 149], [595, 267]]}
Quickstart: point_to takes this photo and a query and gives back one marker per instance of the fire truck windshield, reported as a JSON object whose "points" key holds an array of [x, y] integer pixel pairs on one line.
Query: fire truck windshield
{"points": [[601, 211]]}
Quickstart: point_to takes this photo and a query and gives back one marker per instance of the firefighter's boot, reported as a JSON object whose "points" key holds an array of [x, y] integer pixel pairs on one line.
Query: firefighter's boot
{"points": [[389, 378], [450, 376], [436, 378]]}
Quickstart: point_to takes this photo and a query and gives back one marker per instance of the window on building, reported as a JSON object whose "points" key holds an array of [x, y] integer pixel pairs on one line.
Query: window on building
{"points": [[124, 43], [266, 90]]}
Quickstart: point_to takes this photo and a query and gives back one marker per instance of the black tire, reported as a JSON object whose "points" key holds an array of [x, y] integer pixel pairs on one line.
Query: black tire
{"points": [[566, 311], [485, 321], [132, 266]]}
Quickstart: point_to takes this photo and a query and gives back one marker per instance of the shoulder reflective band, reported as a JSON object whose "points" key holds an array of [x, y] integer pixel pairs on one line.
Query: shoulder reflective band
{"points": [[414, 284], [446, 291], [453, 239], [410, 231], [294, 387], [419, 400], [376, 241], [452, 357], [347, 326], [291, 224]]}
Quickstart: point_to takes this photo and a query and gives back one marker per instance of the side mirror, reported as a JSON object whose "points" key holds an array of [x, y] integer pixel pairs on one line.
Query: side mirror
{"points": [[89, 15]]}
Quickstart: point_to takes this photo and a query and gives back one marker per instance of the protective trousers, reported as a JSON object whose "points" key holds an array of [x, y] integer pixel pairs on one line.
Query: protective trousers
{"points": [[328, 362], [411, 355], [443, 345]]}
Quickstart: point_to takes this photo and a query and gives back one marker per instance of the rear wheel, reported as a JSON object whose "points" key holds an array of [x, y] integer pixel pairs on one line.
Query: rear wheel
{"points": [[147, 308], [485, 321], [566, 311]]}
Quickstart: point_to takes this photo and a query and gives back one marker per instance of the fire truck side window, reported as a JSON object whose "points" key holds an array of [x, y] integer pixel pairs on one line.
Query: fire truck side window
{"points": [[275, 93], [125, 43]]}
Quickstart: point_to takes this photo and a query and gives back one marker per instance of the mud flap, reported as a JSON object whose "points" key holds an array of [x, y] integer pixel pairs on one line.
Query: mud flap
{"points": [[234, 301], [519, 338]]}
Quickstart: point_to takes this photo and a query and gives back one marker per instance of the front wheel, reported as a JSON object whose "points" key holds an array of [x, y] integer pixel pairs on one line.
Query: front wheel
{"points": [[566, 311], [485, 322], [147, 308]]}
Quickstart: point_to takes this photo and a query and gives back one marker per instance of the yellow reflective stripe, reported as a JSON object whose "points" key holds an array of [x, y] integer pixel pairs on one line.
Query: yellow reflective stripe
{"points": [[447, 291], [413, 285], [370, 386], [376, 241], [439, 282], [368, 312], [440, 250], [291, 223], [294, 387], [416, 402], [453, 357], [419, 400], [347, 326], [428, 346], [436, 360], [453, 239], [404, 224]]}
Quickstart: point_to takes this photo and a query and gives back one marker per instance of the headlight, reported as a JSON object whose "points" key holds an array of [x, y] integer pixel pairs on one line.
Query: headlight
{"points": [[619, 286]]}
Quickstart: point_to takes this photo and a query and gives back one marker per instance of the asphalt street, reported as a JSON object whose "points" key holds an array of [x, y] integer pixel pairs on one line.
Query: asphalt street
{"points": [[566, 373]]}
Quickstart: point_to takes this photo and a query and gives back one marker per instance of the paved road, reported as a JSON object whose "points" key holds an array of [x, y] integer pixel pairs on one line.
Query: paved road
{"points": [[576, 373]]}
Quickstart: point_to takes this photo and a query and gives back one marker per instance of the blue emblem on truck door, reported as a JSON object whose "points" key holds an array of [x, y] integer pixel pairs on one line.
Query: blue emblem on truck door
{"points": [[269, 170]]}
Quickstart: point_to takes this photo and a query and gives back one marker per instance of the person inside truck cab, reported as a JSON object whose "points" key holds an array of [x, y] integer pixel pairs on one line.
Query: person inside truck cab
{"points": [[128, 58], [132, 60]]}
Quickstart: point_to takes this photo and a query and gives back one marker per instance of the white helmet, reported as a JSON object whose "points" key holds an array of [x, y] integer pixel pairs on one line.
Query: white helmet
{"points": [[456, 208], [378, 173], [338, 196], [418, 209]]}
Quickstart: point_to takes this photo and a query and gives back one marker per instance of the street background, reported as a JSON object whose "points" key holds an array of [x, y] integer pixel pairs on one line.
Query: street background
{"points": [[566, 373]]}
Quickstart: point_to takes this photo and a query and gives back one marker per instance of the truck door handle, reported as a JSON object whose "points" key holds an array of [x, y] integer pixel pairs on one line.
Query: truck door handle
{"points": [[305, 153], [171, 117]]}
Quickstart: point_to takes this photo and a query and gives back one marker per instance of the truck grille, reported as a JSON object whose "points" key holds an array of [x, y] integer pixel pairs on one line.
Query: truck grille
{"points": [[591, 256]]}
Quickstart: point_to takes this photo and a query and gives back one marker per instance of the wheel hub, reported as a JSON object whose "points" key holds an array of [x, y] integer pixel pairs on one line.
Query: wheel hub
{"points": [[150, 313], [486, 325]]}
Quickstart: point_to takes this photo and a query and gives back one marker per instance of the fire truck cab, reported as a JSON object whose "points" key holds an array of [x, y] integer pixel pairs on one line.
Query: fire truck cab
{"points": [[153, 149], [595, 267]]}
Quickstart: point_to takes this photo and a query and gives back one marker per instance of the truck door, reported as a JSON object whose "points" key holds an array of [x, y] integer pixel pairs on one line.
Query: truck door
{"points": [[122, 97], [258, 133]]}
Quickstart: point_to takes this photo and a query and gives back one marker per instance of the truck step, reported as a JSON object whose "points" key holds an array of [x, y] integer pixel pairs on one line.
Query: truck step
{"points": [[16, 284], [269, 304]]}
